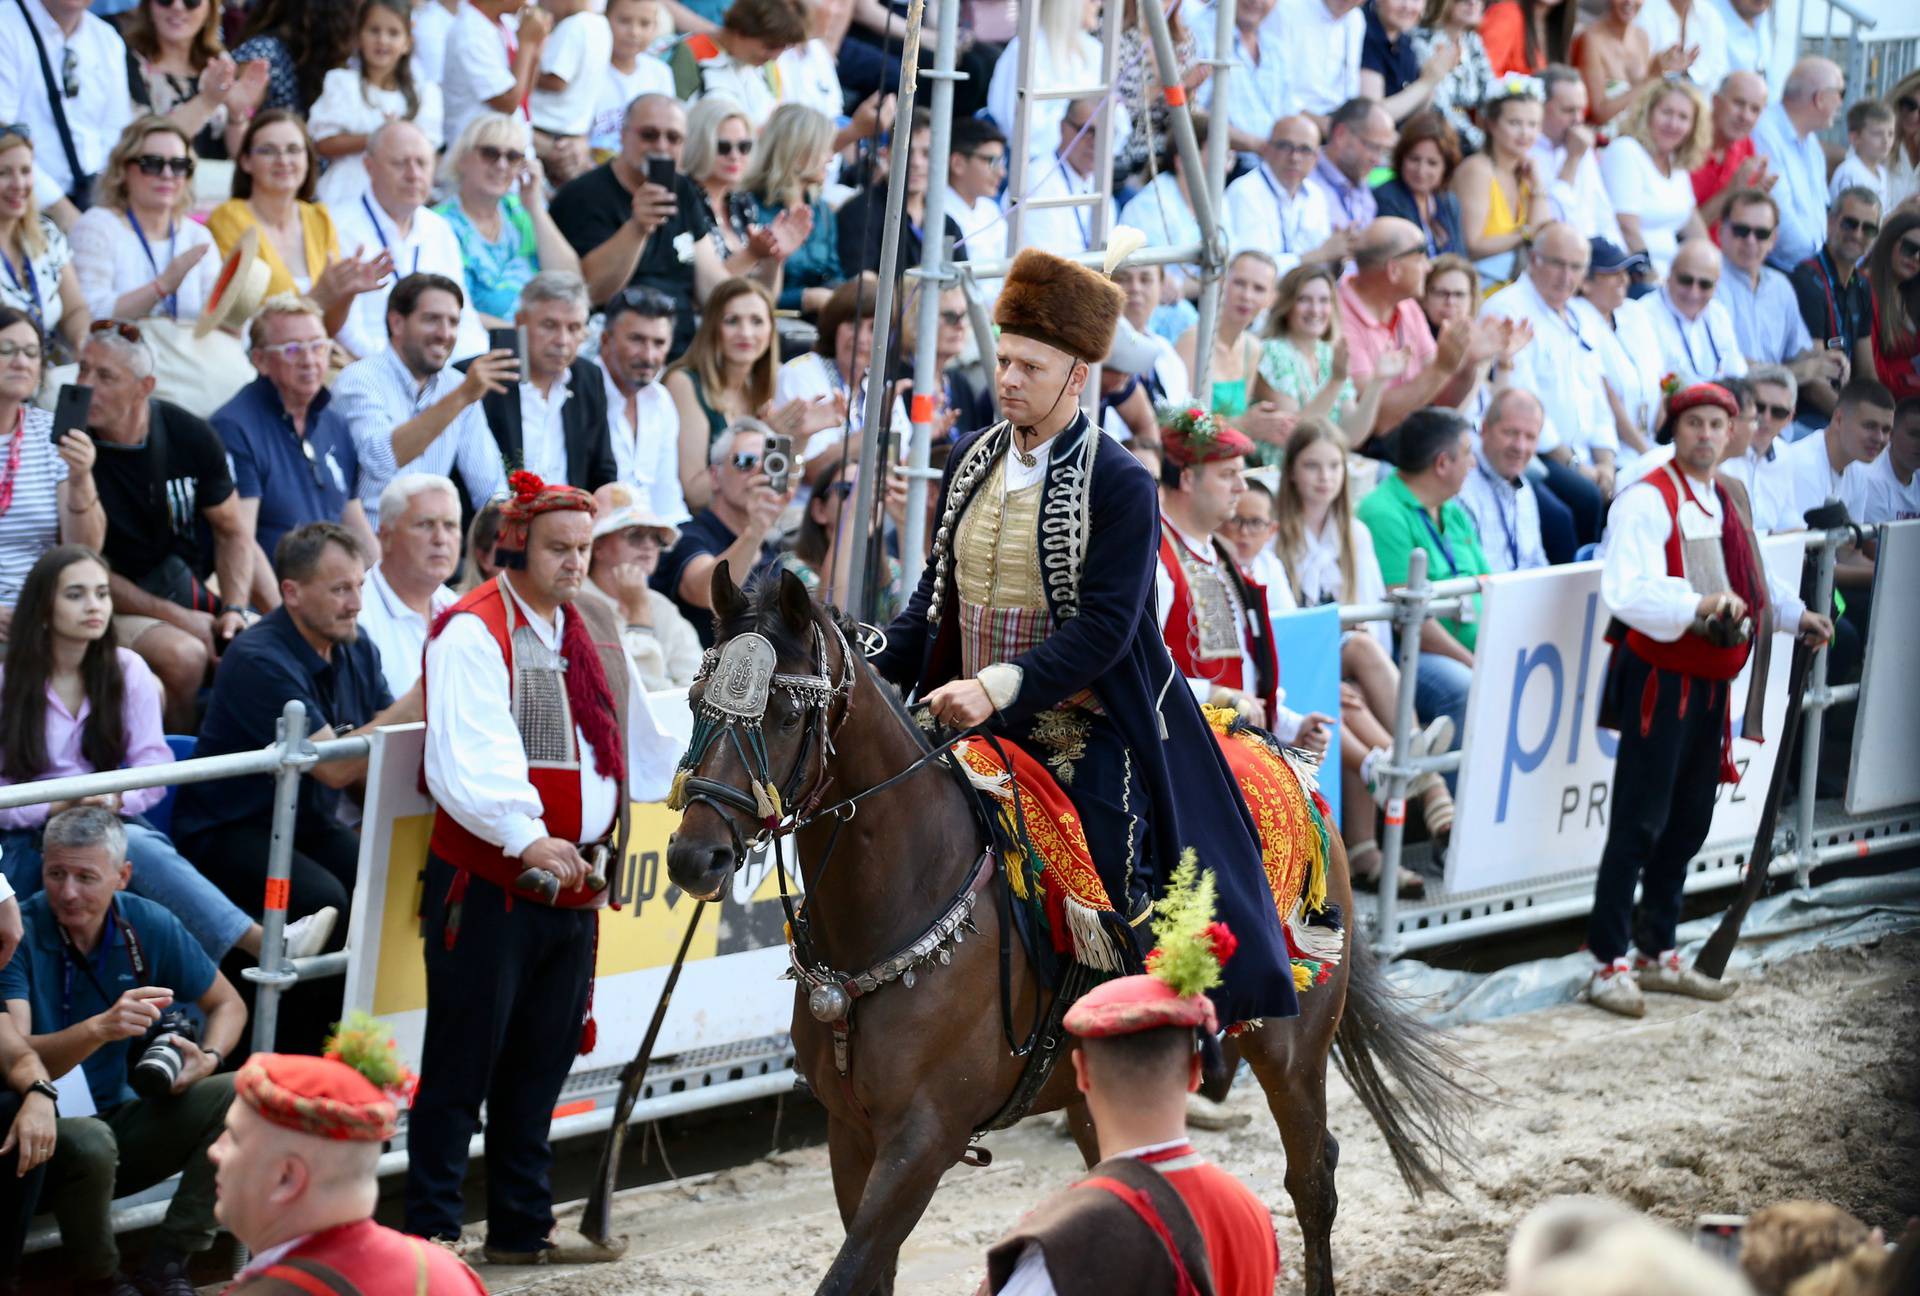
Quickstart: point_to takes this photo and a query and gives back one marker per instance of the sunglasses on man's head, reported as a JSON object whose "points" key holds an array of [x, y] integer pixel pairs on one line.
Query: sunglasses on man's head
{"points": [[16, 130], [131, 332], [1695, 281], [494, 155], [1854, 225], [152, 164], [1758, 233], [727, 148]]}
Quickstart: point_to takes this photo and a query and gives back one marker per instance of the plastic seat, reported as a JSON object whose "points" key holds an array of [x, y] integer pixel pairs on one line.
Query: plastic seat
{"points": [[161, 814]]}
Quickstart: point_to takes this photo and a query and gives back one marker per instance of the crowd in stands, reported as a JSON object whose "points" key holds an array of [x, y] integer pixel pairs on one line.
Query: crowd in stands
{"points": [[331, 269]]}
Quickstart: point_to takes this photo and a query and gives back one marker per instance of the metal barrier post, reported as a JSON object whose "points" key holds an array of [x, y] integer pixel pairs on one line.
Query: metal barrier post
{"points": [[1804, 852], [1409, 614], [273, 975]]}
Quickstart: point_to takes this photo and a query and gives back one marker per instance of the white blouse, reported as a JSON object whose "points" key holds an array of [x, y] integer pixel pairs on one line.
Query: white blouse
{"points": [[34, 286], [110, 262], [1663, 204], [1317, 566], [347, 107]]}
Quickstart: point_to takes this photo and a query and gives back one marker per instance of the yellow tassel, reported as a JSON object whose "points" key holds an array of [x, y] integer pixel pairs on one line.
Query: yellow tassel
{"points": [[1316, 894], [677, 795], [1016, 860], [773, 795], [1218, 717], [1302, 979], [762, 803]]}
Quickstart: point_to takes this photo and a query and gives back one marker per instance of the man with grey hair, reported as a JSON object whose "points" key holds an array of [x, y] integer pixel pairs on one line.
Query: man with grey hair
{"points": [[739, 528], [1762, 469], [163, 607], [292, 454], [553, 422], [1788, 136], [1564, 152], [98, 970], [1503, 502], [392, 216], [406, 589]]}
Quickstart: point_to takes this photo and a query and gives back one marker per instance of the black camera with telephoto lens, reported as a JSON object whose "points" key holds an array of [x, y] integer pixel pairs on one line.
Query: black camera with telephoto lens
{"points": [[158, 1062]]}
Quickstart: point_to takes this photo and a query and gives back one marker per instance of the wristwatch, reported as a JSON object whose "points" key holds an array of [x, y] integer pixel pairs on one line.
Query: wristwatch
{"points": [[47, 1091], [215, 1055]]}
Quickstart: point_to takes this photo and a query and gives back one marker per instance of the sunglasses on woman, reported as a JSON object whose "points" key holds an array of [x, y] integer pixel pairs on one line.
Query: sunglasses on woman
{"points": [[727, 148], [152, 164], [184, 4], [494, 156]]}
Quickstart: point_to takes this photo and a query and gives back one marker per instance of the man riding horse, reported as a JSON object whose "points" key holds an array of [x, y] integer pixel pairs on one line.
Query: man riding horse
{"points": [[1035, 612]]}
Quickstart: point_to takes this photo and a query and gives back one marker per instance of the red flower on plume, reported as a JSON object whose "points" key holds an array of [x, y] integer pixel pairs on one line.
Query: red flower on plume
{"points": [[1223, 940], [524, 485], [1195, 412], [1154, 956]]}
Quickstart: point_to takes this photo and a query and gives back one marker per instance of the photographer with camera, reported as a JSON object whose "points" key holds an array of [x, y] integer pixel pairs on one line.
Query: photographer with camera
{"points": [[101, 982], [1691, 602], [754, 479]]}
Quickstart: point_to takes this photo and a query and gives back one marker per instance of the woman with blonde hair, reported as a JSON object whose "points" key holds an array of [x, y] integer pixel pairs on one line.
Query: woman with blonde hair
{"points": [[718, 150], [38, 261], [182, 71], [499, 214], [726, 374], [1328, 556], [789, 169], [136, 251], [1303, 363], [1648, 169], [1067, 54], [1903, 168], [273, 186], [1251, 277], [1502, 201]]}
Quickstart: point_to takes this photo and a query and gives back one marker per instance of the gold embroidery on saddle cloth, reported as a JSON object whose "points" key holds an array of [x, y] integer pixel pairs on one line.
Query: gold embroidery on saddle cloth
{"points": [[1063, 734]]}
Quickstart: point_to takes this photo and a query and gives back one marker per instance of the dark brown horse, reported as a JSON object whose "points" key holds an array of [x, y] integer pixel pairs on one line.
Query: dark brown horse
{"points": [[927, 1056]]}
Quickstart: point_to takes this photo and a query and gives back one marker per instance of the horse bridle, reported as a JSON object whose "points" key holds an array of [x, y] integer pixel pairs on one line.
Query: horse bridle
{"points": [[735, 684]]}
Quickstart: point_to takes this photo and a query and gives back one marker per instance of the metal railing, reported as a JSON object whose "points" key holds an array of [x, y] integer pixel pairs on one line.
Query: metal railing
{"points": [[1409, 606]]}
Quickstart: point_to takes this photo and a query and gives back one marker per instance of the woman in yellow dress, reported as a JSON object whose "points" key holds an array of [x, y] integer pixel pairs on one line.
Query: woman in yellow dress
{"points": [[1497, 187], [273, 181]]}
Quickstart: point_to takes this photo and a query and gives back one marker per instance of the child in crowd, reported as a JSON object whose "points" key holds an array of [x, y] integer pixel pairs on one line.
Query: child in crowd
{"points": [[357, 101], [432, 20], [566, 94], [634, 69], [1870, 137]]}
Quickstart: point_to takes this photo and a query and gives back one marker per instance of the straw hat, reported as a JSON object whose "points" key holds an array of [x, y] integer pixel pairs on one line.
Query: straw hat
{"points": [[622, 508], [241, 288]]}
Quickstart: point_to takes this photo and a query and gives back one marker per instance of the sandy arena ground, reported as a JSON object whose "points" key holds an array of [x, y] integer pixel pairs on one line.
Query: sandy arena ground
{"points": [[1806, 1083]]}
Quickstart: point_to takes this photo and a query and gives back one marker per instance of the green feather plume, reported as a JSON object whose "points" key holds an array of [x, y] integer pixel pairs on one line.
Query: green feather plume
{"points": [[368, 1047], [1183, 955]]}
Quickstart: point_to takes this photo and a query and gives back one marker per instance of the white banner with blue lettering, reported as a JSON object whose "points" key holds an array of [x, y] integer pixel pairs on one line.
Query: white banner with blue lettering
{"points": [[1533, 795]]}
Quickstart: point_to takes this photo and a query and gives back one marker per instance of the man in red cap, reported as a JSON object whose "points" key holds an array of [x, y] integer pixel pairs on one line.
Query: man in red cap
{"points": [[538, 736], [1153, 1216], [1215, 619], [1683, 579], [295, 1174]]}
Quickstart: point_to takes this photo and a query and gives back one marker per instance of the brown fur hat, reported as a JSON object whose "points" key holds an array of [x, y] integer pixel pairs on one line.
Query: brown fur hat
{"points": [[1065, 305]]}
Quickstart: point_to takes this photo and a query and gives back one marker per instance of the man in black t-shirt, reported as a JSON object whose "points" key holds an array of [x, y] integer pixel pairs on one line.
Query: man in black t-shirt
{"points": [[162, 472], [630, 231], [740, 528], [1835, 298]]}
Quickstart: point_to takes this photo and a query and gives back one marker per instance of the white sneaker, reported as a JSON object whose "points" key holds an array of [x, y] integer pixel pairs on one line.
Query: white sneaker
{"points": [[1665, 975], [308, 936], [1436, 737], [1615, 989]]}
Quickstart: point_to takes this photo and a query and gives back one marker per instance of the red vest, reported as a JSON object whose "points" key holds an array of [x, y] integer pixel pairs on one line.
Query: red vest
{"points": [[365, 1258], [1253, 638], [557, 784], [1691, 654]]}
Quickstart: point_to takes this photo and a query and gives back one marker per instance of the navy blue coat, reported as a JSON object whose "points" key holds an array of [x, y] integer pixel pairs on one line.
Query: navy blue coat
{"points": [[1109, 639]]}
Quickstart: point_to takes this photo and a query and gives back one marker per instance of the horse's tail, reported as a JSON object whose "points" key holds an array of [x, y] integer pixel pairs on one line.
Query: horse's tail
{"points": [[1422, 1112]]}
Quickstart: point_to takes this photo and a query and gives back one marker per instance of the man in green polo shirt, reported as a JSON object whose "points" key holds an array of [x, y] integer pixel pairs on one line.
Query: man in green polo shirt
{"points": [[1416, 509]]}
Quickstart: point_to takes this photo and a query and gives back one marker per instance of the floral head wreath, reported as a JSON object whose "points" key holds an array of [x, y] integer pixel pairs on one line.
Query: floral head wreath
{"points": [[1514, 85]]}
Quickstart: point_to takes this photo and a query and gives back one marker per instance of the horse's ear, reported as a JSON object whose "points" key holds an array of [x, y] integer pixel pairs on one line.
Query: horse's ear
{"points": [[724, 595], [796, 605]]}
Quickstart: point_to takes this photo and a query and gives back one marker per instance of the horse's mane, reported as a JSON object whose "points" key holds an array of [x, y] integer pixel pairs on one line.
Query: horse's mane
{"points": [[760, 612]]}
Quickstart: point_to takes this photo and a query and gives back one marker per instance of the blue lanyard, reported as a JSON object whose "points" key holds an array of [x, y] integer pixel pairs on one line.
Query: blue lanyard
{"points": [[172, 300], [1439, 538], [1572, 322], [30, 289], [367, 202], [1680, 326], [1841, 325], [1285, 206], [1512, 528]]}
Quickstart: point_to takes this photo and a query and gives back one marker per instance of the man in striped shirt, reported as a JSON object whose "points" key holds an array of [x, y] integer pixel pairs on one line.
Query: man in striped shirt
{"points": [[408, 408]]}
